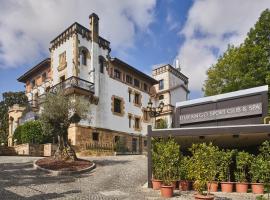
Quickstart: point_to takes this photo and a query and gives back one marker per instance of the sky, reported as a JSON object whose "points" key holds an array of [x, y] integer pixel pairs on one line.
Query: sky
{"points": [[143, 33]]}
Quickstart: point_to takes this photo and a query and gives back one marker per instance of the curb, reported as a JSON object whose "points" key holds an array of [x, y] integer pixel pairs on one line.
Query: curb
{"points": [[59, 173]]}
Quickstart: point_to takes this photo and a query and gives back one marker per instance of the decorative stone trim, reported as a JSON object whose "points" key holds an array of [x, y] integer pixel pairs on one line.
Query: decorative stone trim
{"points": [[122, 106], [62, 61], [140, 124], [140, 99], [77, 29]]}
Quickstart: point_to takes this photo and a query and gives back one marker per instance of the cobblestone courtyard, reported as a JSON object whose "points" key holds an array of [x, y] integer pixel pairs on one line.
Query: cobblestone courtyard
{"points": [[119, 177]]}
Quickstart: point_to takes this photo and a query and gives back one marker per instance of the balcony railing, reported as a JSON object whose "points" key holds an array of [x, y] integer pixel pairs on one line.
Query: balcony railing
{"points": [[75, 83]]}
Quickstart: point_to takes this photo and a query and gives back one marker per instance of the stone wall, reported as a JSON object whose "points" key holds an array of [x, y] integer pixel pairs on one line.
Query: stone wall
{"points": [[80, 136], [7, 151]]}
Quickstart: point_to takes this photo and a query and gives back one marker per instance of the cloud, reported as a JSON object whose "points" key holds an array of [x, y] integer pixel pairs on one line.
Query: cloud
{"points": [[28, 26], [211, 25]]}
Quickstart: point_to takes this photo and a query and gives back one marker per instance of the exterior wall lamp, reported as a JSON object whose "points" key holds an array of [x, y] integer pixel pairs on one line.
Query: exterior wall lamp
{"points": [[154, 111]]}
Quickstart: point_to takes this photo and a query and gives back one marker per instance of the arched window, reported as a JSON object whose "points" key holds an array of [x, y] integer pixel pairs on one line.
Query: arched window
{"points": [[101, 64], [84, 57]]}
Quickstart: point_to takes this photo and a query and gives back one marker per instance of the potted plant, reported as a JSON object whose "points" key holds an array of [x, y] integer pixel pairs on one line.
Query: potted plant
{"points": [[257, 171], [265, 153], [242, 165], [184, 183], [224, 175], [203, 168], [157, 168], [169, 159]]}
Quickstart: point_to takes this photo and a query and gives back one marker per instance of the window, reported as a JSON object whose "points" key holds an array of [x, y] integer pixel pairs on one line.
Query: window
{"points": [[84, 57], [95, 136], [145, 87], [136, 82], [62, 61], [128, 79], [137, 98], [44, 76], [146, 116], [101, 64], [117, 105], [161, 97], [129, 95], [117, 74], [161, 84], [137, 123], [129, 121]]}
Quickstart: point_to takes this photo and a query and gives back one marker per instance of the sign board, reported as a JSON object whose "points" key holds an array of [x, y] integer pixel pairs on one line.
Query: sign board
{"points": [[225, 113]]}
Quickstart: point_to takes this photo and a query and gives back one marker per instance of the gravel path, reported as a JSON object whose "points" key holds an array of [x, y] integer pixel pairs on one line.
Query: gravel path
{"points": [[120, 177]]}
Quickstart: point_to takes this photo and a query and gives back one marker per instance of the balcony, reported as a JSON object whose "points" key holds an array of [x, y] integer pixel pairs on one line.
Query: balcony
{"points": [[74, 85]]}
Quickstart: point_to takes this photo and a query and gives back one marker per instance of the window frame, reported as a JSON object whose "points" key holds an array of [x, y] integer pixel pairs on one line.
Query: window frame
{"points": [[161, 84], [95, 136], [117, 74], [129, 79], [138, 81]]}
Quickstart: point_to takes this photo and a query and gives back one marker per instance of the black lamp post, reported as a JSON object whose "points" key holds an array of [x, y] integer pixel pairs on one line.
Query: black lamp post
{"points": [[154, 111]]}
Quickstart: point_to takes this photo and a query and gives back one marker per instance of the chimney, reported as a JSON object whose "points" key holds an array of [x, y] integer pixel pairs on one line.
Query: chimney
{"points": [[94, 27]]}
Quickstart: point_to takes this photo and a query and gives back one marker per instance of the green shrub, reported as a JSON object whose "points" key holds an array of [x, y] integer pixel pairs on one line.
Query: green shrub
{"points": [[258, 169], [225, 161], [203, 166], [243, 160], [161, 124], [17, 135], [183, 168], [31, 132], [166, 157], [265, 154]]}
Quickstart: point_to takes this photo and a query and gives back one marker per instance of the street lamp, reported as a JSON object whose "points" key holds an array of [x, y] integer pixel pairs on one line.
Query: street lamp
{"points": [[154, 111]]}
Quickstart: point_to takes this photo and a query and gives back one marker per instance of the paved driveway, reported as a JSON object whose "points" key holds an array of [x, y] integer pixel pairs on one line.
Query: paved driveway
{"points": [[120, 177]]}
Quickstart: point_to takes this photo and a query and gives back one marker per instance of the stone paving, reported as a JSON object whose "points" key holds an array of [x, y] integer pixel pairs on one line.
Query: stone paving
{"points": [[120, 177]]}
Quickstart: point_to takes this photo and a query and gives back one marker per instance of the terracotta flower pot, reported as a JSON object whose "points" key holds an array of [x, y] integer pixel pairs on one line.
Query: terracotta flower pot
{"points": [[227, 187], [241, 187], [156, 184], [167, 191], [213, 186], [184, 185], [257, 188], [204, 197]]}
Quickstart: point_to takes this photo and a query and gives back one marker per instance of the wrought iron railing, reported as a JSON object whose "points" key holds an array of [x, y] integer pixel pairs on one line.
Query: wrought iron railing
{"points": [[73, 82]]}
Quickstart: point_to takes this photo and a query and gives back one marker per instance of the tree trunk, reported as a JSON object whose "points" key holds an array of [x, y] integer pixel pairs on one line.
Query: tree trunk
{"points": [[64, 150]]}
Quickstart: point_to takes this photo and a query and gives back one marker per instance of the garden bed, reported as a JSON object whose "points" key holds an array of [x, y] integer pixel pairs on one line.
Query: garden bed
{"points": [[58, 165]]}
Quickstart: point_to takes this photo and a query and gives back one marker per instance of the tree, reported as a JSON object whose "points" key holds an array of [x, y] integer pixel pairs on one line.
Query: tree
{"points": [[58, 112], [9, 99], [245, 66]]}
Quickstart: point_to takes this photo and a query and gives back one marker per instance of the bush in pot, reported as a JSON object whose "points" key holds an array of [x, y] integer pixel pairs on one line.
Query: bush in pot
{"points": [[258, 169], [157, 149], [265, 153], [169, 159], [203, 168], [184, 183], [224, 175], [243, 160]]}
